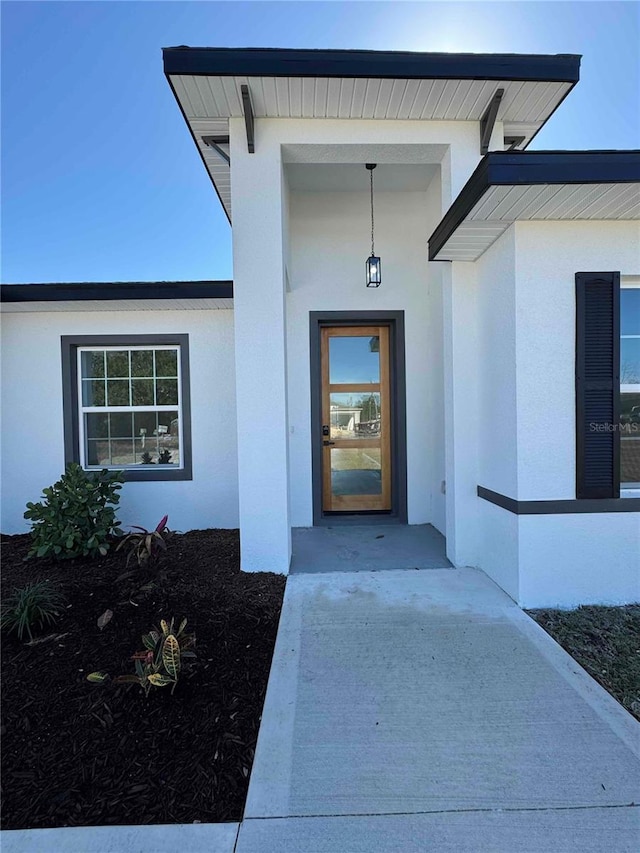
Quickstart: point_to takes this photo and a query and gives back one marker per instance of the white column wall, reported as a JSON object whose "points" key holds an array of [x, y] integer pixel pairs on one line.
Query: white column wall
{"points": [[260, 334], [259, 205], [435, 439], [497, 426], [461, 411], [460, 366], [32, 415]]}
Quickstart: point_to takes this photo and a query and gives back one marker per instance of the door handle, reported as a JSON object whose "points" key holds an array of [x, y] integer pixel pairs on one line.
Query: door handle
{"points": [[328, 443]]}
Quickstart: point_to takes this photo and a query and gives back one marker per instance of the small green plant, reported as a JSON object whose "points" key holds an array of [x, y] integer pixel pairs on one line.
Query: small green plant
{"points": [[164, 458], [146, 458], [36, 604], [77, 516], [145, 545], [160, 664]]}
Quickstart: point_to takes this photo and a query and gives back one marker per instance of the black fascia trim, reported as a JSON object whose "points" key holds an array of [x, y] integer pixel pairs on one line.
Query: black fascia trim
{"points": [[408, 65], [560, 507], [70, 402], [528, 168], [195, 142], [118, 290]]}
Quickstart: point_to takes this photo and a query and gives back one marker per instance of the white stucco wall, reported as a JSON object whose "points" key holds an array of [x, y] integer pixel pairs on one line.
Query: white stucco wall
{"points": [[259, 273], [526, 354], [32, 416], [548, 255], [329, 240], [567, 560], [498, 546]]}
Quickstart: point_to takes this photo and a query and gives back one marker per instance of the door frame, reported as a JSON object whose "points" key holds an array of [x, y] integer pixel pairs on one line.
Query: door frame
{"points": [[395, 320]]}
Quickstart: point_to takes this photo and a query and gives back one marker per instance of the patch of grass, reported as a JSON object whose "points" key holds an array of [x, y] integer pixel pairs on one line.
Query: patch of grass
{"points": [[34, 605], [605, 641]]}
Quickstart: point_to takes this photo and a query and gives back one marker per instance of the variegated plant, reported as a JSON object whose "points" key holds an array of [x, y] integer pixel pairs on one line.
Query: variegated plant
{"points": [[160, 664]]}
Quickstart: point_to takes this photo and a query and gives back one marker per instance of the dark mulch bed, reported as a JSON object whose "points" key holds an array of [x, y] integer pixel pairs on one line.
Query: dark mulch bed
{"points": [[605, 641], [78, 754]]}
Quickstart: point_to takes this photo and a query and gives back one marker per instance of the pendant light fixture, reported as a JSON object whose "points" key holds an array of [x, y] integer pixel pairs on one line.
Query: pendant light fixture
{"points": [[373, 268]]}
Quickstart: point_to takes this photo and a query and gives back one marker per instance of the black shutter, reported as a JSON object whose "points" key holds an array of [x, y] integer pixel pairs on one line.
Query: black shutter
{"points": [[597, 385]]}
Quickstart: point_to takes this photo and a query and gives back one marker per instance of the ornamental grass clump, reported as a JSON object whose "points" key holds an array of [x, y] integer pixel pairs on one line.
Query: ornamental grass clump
{"points": [[77, 516], [36, 604]]}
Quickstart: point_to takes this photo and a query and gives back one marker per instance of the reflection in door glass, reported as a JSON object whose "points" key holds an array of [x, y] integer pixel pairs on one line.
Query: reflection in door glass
{"points": [[354, 360], [355, 415], [356, 471]]}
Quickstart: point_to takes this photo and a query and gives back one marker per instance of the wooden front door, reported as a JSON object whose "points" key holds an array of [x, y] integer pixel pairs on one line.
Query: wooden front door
{"points": [[356, 419]]}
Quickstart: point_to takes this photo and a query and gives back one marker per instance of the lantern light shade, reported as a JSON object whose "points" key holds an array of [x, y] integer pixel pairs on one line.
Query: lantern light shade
{"points": [[372, 266], [374, 271]]}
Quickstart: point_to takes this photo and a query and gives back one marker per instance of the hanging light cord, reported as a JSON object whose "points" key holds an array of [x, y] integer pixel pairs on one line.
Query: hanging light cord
{"points": [[371, 176]]}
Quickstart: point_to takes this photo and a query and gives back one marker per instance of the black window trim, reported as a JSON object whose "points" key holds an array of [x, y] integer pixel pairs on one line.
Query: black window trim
{"points": [[71, 410]]}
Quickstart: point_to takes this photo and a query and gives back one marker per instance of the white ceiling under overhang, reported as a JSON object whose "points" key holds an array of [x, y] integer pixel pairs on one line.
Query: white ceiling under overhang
{"points": [[500, 207], [509, 187], [208, 101]]}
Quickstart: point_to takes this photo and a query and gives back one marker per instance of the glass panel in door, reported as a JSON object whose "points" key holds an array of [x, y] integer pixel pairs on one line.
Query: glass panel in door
{"points": [[356, 419]]}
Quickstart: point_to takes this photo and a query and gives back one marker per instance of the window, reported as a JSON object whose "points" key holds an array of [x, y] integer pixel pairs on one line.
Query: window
{"points": [[126, 402], [630, 386]]}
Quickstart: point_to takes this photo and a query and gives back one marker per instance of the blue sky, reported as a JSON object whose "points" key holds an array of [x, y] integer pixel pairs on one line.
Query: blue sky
{"points": [[100, 178]]}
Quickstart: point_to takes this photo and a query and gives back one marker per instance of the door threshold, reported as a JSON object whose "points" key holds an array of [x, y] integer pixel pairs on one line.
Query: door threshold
{"points": [[340, 520]]}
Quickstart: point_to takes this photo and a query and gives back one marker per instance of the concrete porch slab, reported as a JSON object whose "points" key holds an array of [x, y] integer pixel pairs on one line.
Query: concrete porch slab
{"points": [[165, 838], [569, 831], [367, 548], [412, 692]]}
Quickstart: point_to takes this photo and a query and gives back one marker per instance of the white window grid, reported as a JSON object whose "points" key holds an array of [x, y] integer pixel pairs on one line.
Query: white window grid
{"points": [[82, 409], [630, 387]]}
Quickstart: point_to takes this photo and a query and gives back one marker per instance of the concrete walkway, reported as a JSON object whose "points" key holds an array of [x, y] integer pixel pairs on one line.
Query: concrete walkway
{"points": [[422, 710]]}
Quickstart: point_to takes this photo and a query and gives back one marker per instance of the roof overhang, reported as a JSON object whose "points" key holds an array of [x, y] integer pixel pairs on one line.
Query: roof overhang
{"points": [[116, 296], [536, 185], [209, 85]]}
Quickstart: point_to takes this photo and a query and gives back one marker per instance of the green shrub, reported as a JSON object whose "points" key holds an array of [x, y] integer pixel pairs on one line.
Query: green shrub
{"points": [[160, 664], [34, 604], [75, 519]]}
